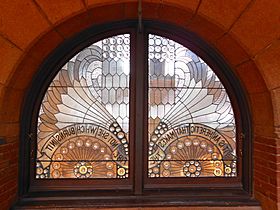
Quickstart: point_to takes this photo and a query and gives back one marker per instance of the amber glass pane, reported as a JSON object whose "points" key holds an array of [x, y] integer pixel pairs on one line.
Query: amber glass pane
{"points": [[84, 116], [191, 121]]}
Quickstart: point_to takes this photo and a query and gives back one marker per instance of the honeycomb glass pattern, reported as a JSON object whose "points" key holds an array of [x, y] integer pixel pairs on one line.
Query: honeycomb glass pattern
{"points": [[82, 129], [191, 129]]}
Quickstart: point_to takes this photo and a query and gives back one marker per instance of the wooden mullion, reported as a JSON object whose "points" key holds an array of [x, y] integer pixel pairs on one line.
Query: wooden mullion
{"points": [[140, 101]]}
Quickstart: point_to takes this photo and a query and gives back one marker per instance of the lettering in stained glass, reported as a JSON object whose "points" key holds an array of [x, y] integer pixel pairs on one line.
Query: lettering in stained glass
{"points": [[84, 116], [83, 123], [191, 121]]}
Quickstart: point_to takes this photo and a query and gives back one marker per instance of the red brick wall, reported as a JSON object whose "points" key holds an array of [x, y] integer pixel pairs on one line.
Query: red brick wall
{"points": [[8, 174], [246, 32]]}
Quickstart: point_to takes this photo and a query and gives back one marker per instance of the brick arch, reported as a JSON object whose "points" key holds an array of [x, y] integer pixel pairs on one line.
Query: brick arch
{"points": [[58, 24]]}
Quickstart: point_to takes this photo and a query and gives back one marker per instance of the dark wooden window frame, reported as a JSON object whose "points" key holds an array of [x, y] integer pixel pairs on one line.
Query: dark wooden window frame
{"points": [[138, 190]]}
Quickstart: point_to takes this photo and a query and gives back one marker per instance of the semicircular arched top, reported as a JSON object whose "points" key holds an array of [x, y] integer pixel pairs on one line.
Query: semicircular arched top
{"points": [[83, 122]]}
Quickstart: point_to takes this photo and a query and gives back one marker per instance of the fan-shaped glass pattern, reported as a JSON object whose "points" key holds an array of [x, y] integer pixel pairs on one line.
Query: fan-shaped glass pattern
{"points": [[83, 123], [84, 116], [191, 121]]}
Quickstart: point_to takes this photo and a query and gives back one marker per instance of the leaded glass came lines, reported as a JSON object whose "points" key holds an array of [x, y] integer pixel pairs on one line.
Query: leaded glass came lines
{"points": [[83, 123], [191, 121], [84, 116]]}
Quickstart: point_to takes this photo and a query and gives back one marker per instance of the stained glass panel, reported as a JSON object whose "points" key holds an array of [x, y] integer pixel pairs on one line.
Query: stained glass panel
{"points": [[191, 121], [84, 116]]}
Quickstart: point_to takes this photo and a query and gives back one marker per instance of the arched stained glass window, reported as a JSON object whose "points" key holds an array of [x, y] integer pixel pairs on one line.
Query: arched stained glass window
{"points": [[118, 116], [84, 117], [83, 124]]}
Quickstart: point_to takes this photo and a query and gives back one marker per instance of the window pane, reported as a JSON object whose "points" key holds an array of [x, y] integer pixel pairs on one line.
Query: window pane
{"points": [[191, 121], [84, 116]]}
